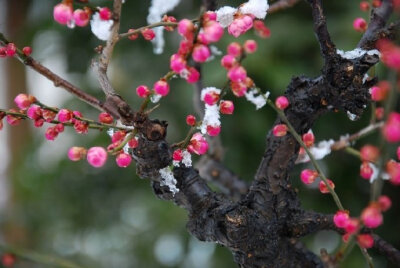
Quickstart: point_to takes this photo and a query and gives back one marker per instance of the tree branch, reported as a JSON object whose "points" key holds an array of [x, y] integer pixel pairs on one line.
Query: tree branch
{"points": [[281, 5]]}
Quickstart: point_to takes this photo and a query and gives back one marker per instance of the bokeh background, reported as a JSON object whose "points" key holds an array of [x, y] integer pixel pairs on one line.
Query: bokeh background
{"points": [[109, 217]]}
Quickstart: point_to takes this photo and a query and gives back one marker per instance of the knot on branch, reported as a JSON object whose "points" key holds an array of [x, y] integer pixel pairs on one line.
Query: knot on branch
{"points": [[118, 108]]}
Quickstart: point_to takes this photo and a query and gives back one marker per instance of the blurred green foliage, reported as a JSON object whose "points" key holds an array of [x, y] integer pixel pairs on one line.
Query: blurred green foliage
{"points": [[109, 217]]}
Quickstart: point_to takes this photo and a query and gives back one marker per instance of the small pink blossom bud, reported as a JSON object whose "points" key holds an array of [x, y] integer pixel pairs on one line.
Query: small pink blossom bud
{"points": [[238, 88], [133, 143], [65, 116], [81, 127], [250, 46], [193, 75], [228, 61], [261, 30], [240, 25], [161, 87], [393, 169], [384, 203], [62, 13], [211, 98], [143, 91], [372, 216], [123, 160], [186, 28], [169, 19], [365, 240], [379, 113], [237, 74], [345, 237], [51, 133], [59, 128], [380, 91], [364, 5], [201, 53], [34, 112], [341, 218], [48, 115], [38, 122], [3, 52], [198, 144], [366, 170], [323, 188], [234, 49], [360, 25], [212, 31], [376, 3], [308, 176], [96, 156], [226, 107], [281, 102], [11, 49], [369, 153], [177, 155], [133, 36], [308, 139], [105, 13], [76, 153], [279, 130], [23, 101], [213, 130], [8, 260], [105, 118], [191, 120], [81, 17], [210, 15], [391, 129], [118, 136], [185, 46], [177, 63], [352, 225], [27, 51], [148, 34], [11, 119]]}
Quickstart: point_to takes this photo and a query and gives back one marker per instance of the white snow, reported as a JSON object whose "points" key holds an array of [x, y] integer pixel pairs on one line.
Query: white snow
{"points": [[157, 9], [101, 28], [375, 172], [258, 8], [168, 179], [320, 151], [187, 158], [155, 98], [211, 118], [225, 15], [352, 117], [259, 101], [356, 53], [207, 90]]}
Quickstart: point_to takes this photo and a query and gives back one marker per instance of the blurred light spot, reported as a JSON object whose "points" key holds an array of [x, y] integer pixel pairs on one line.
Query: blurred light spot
{"points": [[168, 250], [328, 240], [200, 254]]}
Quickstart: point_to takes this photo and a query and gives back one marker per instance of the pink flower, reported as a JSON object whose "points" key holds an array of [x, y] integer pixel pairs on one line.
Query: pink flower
{"points": [[133, 36], [34, 112], [81, 17], [234, 49], [237, 74], [105, 13], [211, 98], [177, 63], [198, 144], [390, 53], [308, 139], [65, 116], [341, 218], [133, 143], [142, 91], [96, 156], [51, 133], [105, 118], [384, 203], [62, 13], [123, 160], [308, 176], [11, 49], [365, 240], [393, 169], [193, 75], [261, 30], [366, 170], [191, 120], [27, 51], [250, 46], [281, 103], [76, 153], [169, 19], [369, 153], [201, 53], [48, 115], [161, 87], [228, 61], [177, 155], [81, 127], [186, 28], [148, 34], [118, 136], [213, 130], [364, 5], [185, 46], [391, 129], [210, 15], [38, 122], [226, 107], [238, 88], [279, 130], [23, 101], [352, 225], [212, 31], [323, 188], [372, 216], [240, 25], [380, 91], [360, 25]]}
